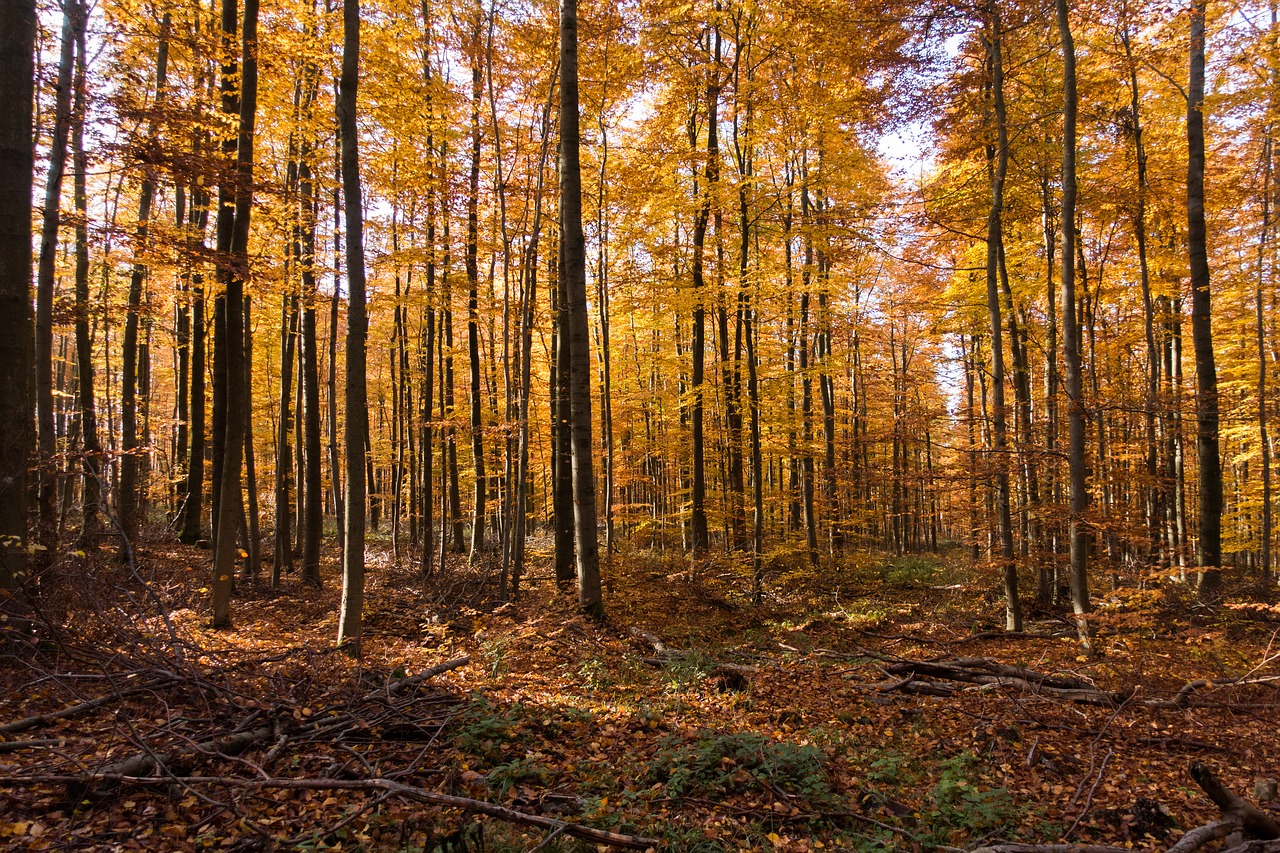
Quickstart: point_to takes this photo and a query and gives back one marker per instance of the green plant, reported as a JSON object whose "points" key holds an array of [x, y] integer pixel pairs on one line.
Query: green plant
{"points": [[496, 651], [594, 674], [720, 764], [960, 800], [909, 570]]}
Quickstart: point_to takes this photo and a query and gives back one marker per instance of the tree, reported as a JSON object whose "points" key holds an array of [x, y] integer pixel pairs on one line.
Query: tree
{"points": [[131, 464], [1079, 540], [17, 161], [235, 198], [356, 431], [1209, 548], [585, 541], [998, 163], [52, 216]]}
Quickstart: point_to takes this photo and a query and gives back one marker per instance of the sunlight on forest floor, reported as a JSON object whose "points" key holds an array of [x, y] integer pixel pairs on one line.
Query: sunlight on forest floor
{"points": [[758, 728]]}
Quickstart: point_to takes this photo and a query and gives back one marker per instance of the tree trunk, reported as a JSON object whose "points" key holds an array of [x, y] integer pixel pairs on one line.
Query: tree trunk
{"points": [[1079, 537], [52, 215], [473, 317], [17, 104], [356, 432], [562, 431], [131, 462], [1209, 549], [701, 538], [91, 458], [235, 220], [586, 548], [1000, 443]]}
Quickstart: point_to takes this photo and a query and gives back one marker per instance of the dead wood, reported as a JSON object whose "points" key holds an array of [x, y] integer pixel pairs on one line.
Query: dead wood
{"points": [[84, 707], [19, 745], [1256, 822], [386, 786], [148, 762], [1202, 835], [1238, 815], [987, 674], [665, 655], [1050, 848]]}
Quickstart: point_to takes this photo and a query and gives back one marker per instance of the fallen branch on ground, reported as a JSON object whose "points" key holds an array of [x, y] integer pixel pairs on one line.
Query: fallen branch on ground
{"points": [[388, 786], [666, 655], [148, 762], [1238, 816]]}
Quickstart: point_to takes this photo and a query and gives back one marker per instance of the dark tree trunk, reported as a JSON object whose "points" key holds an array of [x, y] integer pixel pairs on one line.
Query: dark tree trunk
{"points": [[473, 317], [586, 547], [312, 488], [52, 215], [698, 521], [999, 156], [17, 104], [91, 459], [1209, 549], [234, 204], [1079, 536], [357, 423], [562, 433], [131, 462]]}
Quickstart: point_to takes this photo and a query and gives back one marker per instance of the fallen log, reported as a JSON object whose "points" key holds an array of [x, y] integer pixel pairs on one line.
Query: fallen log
{"points": [[1252, 819], [386, 786], [987, 674]]}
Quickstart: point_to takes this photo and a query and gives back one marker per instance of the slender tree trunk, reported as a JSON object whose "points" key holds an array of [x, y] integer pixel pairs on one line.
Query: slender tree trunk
{"points": [[91, 460], [52, 215], [586, 547], [562, 432], [428, 333], [473, 316], [282, 538], [1209, 550], [193, 503], [700, 533], [1264, 440], [331, 380], [529, 300], [131, 462], [1079, 536], [313, 486], [357, 422], [253, 560], [1000, 443]]}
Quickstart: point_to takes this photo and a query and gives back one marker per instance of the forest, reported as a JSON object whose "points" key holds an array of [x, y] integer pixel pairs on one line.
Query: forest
{"points": [[716, 425]]}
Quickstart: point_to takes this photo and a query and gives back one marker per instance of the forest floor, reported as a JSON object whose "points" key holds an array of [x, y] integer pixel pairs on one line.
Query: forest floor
{"points": [[757, 727]]}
